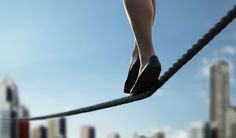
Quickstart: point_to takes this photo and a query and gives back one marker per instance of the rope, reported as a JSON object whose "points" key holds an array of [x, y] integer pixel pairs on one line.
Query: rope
{"points": [[197, 47]]}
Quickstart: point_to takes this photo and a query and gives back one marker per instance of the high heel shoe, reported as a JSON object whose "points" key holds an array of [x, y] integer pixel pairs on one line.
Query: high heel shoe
{"points": [[147, 78], [132, 75]]}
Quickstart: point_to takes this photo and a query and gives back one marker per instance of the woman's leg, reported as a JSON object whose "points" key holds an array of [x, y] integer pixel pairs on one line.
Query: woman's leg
{"points": [[141, 16], [135, 50]]}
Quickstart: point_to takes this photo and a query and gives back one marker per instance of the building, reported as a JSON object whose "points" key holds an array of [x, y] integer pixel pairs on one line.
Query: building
{"points": [[8, 92], [230, 123], [39, 132], [159, 134], [113, 135], [222, 114], [219, 91], [8, 108], [136, 135], [8, 128], [199, 130], [23, 125], [57, 128], [87, 132]]}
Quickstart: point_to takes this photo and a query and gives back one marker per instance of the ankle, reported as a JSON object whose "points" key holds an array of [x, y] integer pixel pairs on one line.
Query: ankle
{"points": [[145, 58], [135, 53], [134, 57]]}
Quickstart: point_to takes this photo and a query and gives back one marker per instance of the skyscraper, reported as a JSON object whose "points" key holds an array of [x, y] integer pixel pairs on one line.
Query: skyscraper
{"points": [[87, 132], [219, 93], [222, 114], [39, 132], [8, 108], [11, 108], [113, 135], [57, 128]]}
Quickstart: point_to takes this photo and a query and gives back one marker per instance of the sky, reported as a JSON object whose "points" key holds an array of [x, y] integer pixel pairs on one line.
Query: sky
{"points": [[68, 54]]}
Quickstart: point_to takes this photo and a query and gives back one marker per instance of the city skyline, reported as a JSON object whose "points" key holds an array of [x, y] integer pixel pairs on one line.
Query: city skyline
{"points": [[49, 49], [221, 124]]}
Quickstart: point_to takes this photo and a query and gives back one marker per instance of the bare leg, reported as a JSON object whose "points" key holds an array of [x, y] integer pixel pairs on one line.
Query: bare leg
{"points": [[135, 50], [141, 16]]}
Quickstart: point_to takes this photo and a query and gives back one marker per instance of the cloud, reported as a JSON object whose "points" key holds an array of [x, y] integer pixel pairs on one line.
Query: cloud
{"points": [[179, 134], [165, 129], [229, 50], [171, 132], [205, 67]]}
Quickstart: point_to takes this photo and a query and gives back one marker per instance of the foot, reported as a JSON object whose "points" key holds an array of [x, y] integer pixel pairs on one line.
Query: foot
{"points": [[132, 75], [148, 76]]}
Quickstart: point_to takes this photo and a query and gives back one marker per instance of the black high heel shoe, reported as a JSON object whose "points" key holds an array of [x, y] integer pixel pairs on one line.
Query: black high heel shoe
{"points": [[132, 75], [147, 78]]}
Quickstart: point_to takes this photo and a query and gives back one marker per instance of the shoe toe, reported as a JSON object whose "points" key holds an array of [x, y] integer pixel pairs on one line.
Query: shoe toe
{"points": [[132, 76]]}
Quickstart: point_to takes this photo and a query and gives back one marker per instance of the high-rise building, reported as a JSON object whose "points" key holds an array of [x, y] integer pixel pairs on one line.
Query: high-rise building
{"points": [[113, 135], [199, 130], [222, 114], [87, 132], [159, 134], [11, 108], [219, 91], [57, 128], [8, 108], [39, 132]]}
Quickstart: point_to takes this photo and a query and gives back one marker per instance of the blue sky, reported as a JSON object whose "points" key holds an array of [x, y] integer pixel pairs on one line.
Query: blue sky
{"points": [[68, 54]]}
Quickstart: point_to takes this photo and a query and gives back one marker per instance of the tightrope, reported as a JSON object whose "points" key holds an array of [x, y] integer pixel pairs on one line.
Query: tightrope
{"points": [[196, 48]]}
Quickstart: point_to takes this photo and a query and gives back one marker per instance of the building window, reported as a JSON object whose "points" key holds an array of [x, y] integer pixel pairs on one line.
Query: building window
{"points": [[9, 95], [13, 126], [62, 126], [43, 132]]}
